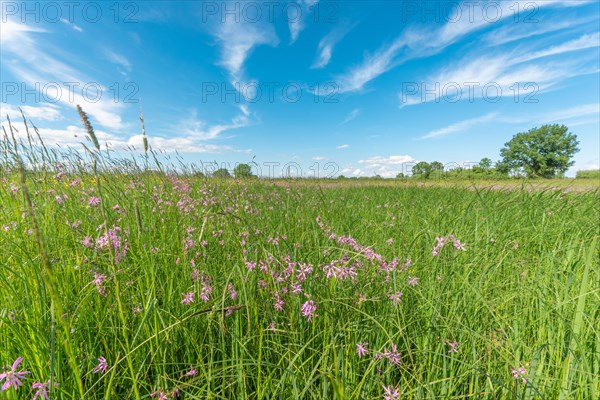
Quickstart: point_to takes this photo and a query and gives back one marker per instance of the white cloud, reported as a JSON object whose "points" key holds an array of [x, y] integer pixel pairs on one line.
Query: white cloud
{"points": [[71, 135], [460, 126], [584, 42], [327, 43], [513, 32], [503, 73], [571, 117], [33, 63], [353, 114], [178, 144], [342, 146], [373, 66], [573, 112], [74, 136], [391, 160], [197, 129], [387, 167], [417, 42], [296, 15], [238, 40], [43, 112], [117, 59], [319, 158], [71, 25], [350, 170]]}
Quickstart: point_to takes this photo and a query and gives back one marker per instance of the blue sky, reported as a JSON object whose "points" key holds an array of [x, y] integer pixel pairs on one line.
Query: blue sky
{"points": [[369, 87]]}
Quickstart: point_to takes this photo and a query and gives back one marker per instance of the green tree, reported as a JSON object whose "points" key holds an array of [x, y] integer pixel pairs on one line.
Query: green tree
{"points": [[436, 166], [485, 163], [502, 167], [243, 171], [400, 175], [541, 152], [421, 169], [221, 173]]}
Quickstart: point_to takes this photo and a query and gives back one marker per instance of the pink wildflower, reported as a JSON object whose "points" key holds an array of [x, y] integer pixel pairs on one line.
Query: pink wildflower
{"points": [[391, 393], [453, 347], [160, 395], [458, 245], [396, 297], [361, 349], [392, 356], [518, 373], [279, 303], [99, 282], [12, 377], [42, 389], [87, 242], [232, 293], [93, 201], [206, 289], [188, 298], [102, 365], [195, 275], [308, 310], [413, 281]]}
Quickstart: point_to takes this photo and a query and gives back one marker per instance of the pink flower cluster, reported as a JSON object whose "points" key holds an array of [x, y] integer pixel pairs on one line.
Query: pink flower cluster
{"points": [[12, 379], [391, 355], [308, 310], [519, 373], [441, 242], [113, 238]]}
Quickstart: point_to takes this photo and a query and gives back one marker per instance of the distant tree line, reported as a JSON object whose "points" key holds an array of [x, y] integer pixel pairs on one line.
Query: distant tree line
{"points": [[544, 152]]}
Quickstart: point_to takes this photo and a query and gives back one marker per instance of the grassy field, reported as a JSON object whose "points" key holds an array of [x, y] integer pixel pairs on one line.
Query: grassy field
{"points": [[144, 285]]}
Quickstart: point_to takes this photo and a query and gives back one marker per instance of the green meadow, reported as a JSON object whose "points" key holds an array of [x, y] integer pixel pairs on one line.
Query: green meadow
{"points": [[138, 284]]}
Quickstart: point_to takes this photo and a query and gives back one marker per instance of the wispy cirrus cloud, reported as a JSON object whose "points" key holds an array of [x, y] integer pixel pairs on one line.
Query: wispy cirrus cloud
{"points": [[468, 76], [460, 126], [370, 68], [342, 146], [584, 42], [118, 59], [296, 18], [71, 25], [33, 63], [327, 43], [571, 113], [417, 42], [351, 115], [511, 33], [197, 129], [237, 41], [581, 114]]}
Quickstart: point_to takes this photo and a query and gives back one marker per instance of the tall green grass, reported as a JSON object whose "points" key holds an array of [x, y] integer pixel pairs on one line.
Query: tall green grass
{"points": [[589, 174], [524, 293]]}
